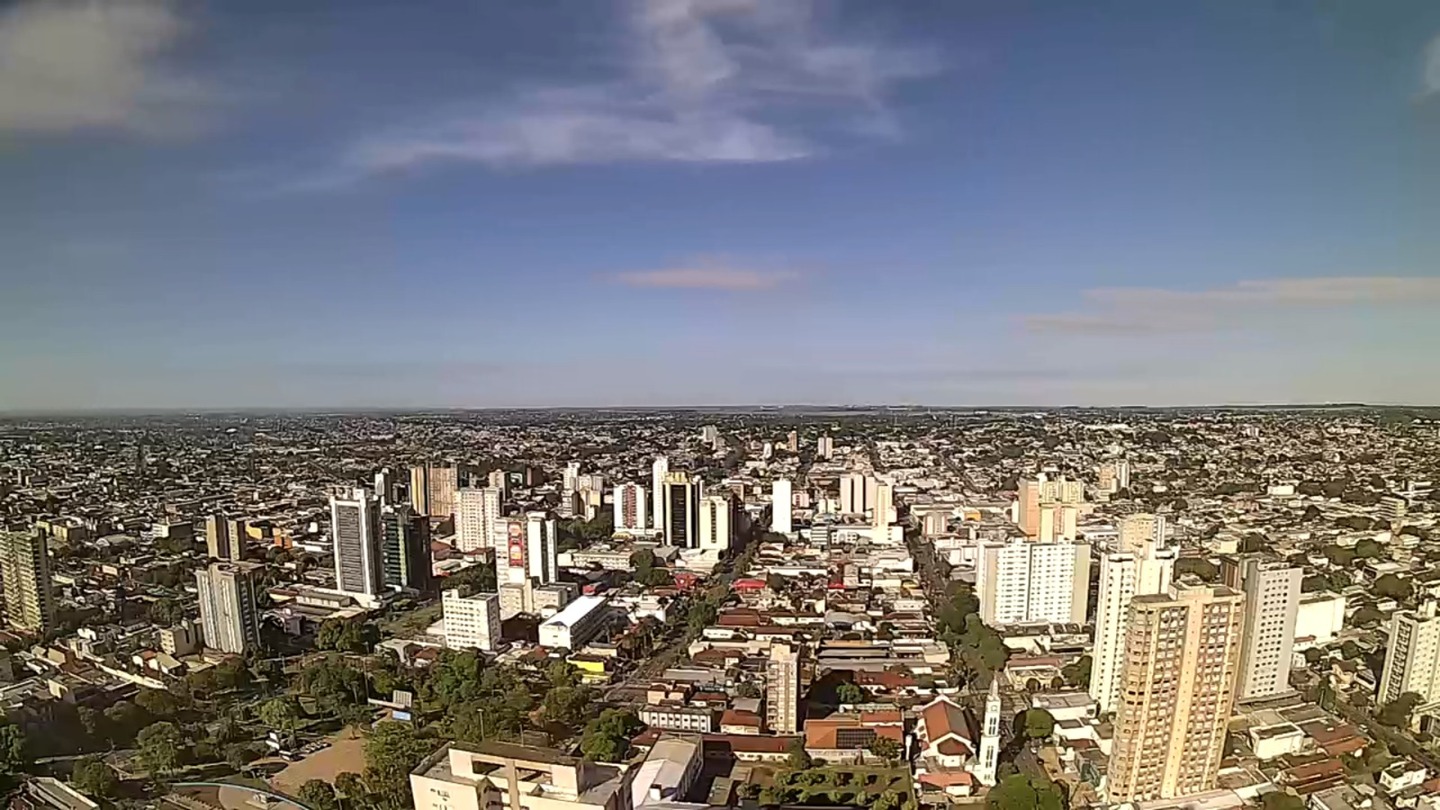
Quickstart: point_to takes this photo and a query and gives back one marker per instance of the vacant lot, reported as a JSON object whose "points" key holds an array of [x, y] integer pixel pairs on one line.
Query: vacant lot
{"points": [[346, 753]]}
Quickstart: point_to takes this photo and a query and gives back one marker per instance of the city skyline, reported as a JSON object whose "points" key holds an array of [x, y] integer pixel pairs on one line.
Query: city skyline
{"points": [[717, 202]]}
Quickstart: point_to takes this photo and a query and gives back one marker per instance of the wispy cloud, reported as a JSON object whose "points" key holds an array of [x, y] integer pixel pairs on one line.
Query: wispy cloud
{"points": [[67, 65], [1146, 310], [1430, 71], [703, 81], [707, 277]]}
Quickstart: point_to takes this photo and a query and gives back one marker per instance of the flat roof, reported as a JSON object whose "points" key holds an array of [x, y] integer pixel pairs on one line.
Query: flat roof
{"points": [[575, 611]]}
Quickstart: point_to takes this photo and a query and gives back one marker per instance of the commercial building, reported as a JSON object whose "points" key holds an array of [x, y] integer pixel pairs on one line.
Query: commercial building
{"points": [[477, 510], [1178, 687], [229, 617], [569, 487], [1141, 570], [782, 506], [631, 508], [220, 544], [782, 689], [1412, 655], [1022, 582], [574, 626], [715, 524], [1272, 602], [471, 622], [493, 775], [25, 575], [354, 530], [682, 510], [405, 563]]}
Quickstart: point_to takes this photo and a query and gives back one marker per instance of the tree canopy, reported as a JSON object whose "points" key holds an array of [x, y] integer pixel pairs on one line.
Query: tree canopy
{"points": [[1022, 792]]}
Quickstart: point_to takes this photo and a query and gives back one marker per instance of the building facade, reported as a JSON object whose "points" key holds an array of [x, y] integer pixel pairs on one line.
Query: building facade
{"points": [[715, 523], [477, 510], [782, 689], [354, 530], [1143, 571], [1022, 582], [229, 616], [782, 510], [471, 622], [631, 508], [25, 574], [682, 510], [1272, 604], [405, 563], [1412, 655]]}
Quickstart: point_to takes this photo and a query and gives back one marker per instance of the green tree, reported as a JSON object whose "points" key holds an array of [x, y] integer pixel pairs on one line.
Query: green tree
{"points": [[318, 795], [1199, 566], [1367, 615], [1038, 724], [281, 714], [885, 748], [607, 737], [1021, 792], [14, 749], [1338, 555], [1368, 549], [159, 747], [238, 756], [797, 757], [1280, 800], [1077, 673], [391, 753], [94, 778], [642, 561], [1397, 712], [350, 785], [158, 702], [1392, 586], [849, 693], [567, 705]]}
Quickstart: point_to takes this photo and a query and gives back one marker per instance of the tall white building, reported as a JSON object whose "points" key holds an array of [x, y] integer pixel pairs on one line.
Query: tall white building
{"points": [[1058, 522], [1272, 602], [825, 447], [988, 758], [1142, 570], [715, 529], [1024, 582], [354, 534], [499, 479], [569, 486], [858, 493], [1113, 476], [781, 506], [782, 689], [884, 506], [1412, 655], [471, 622], [631, 512], [228, 613], [659, 471], [476, 512]]}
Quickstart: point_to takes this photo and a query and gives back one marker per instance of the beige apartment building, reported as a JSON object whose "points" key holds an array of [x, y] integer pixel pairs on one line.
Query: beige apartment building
{"points": [[1177, 690]]}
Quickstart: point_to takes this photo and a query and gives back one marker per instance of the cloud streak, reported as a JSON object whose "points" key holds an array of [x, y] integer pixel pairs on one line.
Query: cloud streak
{"points": [[1145, 310], [703, 81], [68, 66], [1430, 70], [731, 279]]}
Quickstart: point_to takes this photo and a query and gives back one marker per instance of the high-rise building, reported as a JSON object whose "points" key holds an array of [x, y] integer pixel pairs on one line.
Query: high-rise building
{"points": [[988, 758], [405, 563], [782, 688], [792, 442], [354, 534], [1272, 602], [1412, 655], [825, 447], [1136, 531], [1022, 582], [1027, 508], [499, 479], [471, 622], [1393, 508], [219, 543], [530, 554], [858, 493], [1182, 664], [388, 486], [630, 508], [569, 486], [25, 575], [1038, 492], [1113, 476], [658, 473], [432, 490], [709, 433], [1058, 522], [884, 506], [781, 506], [1143, 570], [476, 513], [229, 615], [715, 524], [682, 510]]}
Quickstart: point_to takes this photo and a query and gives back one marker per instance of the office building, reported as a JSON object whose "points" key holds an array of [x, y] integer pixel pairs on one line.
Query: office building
{"points": [[1144, 570], [229, 616], [659, 471], [477, 511], [682, 510], [471, 622], [25, 575], [1023, 582], [1412, 655], [530, 555], [781, 506], [493, 775], [405, 563], [574, 626], [354, 534], [1178, 684], [782, 689], [715, 523], [219, 543], [631, 512], [1272, 603]]}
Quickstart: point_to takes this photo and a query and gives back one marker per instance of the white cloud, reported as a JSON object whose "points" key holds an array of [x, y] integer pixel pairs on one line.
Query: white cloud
{"points": [[68, 65], [706, 277], [705, 81], [1146, 310]]}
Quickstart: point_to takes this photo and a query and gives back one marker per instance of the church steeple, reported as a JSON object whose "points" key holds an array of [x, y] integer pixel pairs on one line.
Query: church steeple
{"points": [[988, 759]]}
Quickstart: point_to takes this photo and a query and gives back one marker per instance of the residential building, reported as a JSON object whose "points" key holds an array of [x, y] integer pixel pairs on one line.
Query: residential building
{"points": [[678, 717], [1272, 603], [682, 512], [477, 510], [354, 530], [1113, 476], [219, 543], [715, 524], [1412, 655], [792, 442], [858, 493], [1023, 582], [229, 616], [471, 622], [1178, 687], [884, 507], [569, 486], [782, 689], [492, 775], [432, 490], [1142, 570], [405, 563], [1140, 529], [781, 506], [499, 479], [825, 447], [531, 554], [659, 472], [25, 575], [630, 508]]}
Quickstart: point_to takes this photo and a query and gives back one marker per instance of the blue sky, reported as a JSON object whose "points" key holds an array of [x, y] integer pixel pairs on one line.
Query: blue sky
{"points": [[462, 203]]}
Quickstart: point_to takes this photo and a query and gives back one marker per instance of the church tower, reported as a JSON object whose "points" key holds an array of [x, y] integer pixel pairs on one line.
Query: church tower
{"points": [[989, 757]]}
